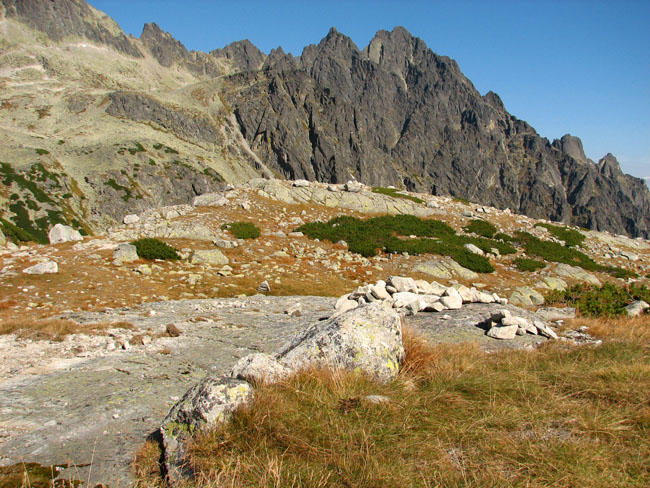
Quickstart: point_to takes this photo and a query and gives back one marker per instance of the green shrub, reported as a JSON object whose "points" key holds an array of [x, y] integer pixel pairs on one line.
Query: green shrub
{"points": [[558, 253], [42, 152], [569, 236], [368, 237], [462, 200], [15, 233], [392, 192], [524, 264], [149, 248], [594, 301], [481, 228], [242, 230], [503, 237]]}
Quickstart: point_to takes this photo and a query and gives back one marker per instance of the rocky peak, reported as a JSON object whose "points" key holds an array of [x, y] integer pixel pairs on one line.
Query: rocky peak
{"points": [[609, 167], [64, 19], [571, 146], [242, 55], [280, 61], [162, 45]]}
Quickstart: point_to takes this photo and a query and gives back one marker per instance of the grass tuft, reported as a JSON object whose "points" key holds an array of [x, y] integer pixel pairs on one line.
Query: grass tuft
{"points": [[242, 230]]}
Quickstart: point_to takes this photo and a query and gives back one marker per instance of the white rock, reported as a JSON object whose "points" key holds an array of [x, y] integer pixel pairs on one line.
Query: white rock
{"points": [[474, 249], [545, 330], [378, 290], [452, 299], [636, 308], [353, 187], [499, 315], [125, 253], [42, 268], [301, 183], [403, 284], [63, 233], [403, 298], [264, 287], [208, 256], [504, 332], [209, 200], [131, 219]]}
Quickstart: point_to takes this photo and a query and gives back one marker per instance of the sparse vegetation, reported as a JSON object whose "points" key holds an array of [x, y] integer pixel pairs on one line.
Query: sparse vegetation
{"points": [[42, 152], [570, 237], [56, 329], [456, 416], [393, 192], [150, 248], [481, 228], [606, 300], [15, 233], [242, 230], [116, 186], [525, 264]]}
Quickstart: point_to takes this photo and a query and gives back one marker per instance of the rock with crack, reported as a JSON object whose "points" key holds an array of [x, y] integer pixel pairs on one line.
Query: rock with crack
{"points": [[124, 253], [208, 256], [63, 233], [209, 402], [526, 296], [367, 339]]}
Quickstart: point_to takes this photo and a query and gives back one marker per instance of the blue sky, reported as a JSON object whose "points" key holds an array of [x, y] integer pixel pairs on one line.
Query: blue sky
{"points": [[574, 66]]}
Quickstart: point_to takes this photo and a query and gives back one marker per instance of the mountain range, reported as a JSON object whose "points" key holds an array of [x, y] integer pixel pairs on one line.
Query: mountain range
{"points": [[97, 124]]}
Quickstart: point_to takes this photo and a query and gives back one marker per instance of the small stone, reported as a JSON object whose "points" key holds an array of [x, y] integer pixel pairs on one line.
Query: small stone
{"points": [[264, 287], [172, 330], [301, 183], [131, 219], [636, 308]]}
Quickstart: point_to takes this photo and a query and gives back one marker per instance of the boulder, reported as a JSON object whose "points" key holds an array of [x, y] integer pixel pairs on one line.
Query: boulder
{"points": [[225, 244], [367, 339], [504, 332], [445, 268], [552, 283], [207, 403], [402, 298], [353, 187], [452, 299], [575, 273], [526, 297], [209, 200], [63, 233], [259, 368], [545, 330], [131, 219], [301, 183], [636, 308], [378, 290], [403, 284], [42, 268], [125, 253], [208, 256]]}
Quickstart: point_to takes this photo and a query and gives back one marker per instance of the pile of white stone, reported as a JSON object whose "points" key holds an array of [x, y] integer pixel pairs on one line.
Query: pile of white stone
{"points": [[410, 296]]}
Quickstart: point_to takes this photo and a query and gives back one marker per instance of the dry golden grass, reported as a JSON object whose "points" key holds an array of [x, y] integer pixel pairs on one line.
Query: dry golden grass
{"points": [[56, 329], [635, 329]]}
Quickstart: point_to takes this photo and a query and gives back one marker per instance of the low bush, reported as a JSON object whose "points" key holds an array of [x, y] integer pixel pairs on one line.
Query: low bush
{"points": [[242, 230], [524, 264], [42, 152], [149, 248], [15, 233], [569, 236], [481, 228], [368, 237], [392, 192], [593, 301]]}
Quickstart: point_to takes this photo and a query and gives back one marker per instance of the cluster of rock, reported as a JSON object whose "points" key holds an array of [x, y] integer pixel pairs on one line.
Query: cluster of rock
{"points": [[367, 339]]}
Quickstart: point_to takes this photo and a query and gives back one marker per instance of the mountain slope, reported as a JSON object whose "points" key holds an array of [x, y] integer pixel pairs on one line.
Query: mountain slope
{"points": [[394, 113]]}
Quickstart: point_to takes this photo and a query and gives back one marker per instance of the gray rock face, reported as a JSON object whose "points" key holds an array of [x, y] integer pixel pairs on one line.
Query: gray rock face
{"points": [[366, 339], [209, 402], [63, 233], [70, 18], [242, 55], [452, 139], [209, 200], [209, 256]]}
